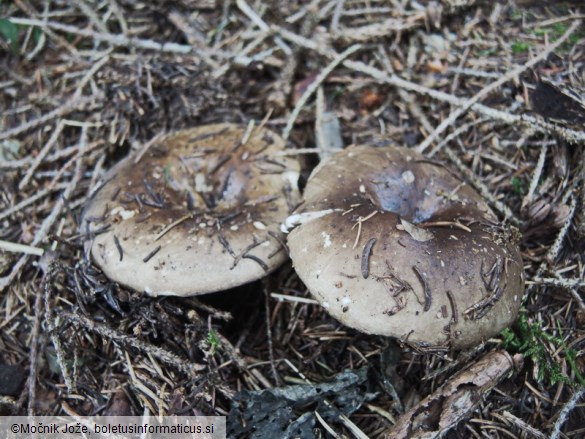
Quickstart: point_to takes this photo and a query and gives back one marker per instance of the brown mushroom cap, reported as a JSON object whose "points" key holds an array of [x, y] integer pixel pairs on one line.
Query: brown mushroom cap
{"points": [[394, 244], [199, 211]]}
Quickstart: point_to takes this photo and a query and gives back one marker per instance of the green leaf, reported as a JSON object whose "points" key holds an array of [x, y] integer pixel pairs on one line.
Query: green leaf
{"points": [[10, 32]]}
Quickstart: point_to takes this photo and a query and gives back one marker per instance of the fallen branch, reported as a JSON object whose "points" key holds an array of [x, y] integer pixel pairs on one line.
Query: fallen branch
{"points": [[567, 409], [129, 341], [456, 399], [69, 106]]}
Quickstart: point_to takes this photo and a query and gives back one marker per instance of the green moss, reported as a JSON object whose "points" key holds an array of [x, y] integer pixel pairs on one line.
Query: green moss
{"points": [[487, 52], [556, 30], [518, 186], [520, 47], [516, 15], [213, 341], [530, 339]]}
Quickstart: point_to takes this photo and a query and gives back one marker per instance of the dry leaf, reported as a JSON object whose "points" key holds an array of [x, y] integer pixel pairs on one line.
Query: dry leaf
{"points": [[417, 233]]}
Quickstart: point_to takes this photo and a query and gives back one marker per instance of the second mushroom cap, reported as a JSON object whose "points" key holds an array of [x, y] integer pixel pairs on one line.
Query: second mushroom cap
{"points": [[391, 243]]}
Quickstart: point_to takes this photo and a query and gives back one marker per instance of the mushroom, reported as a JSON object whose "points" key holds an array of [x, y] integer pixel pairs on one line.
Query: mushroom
{"points": [[198, 211], [393, 244]]}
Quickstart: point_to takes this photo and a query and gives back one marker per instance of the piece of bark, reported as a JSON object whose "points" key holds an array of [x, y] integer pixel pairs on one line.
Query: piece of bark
{"points": [[456, 399]]}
